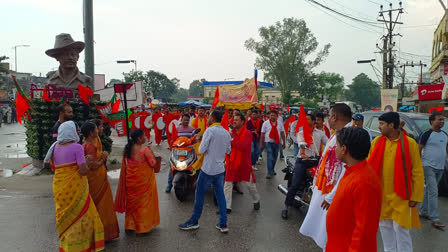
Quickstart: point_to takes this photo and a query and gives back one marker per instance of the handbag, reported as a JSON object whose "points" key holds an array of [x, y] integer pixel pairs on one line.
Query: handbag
{"points": [[158, 164]]}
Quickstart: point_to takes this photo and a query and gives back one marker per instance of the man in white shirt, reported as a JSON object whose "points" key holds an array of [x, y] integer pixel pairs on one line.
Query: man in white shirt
{"points": [[307, 158], [271, 133]]}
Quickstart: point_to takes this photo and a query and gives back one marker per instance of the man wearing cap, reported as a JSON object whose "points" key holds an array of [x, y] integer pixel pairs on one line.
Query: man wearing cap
{"points": [[396, 159], [68, 76], [359, 122]]}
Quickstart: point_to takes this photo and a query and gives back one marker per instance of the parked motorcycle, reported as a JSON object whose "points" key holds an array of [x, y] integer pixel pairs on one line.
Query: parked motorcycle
{"points": [[305, 191], [182, 158]]}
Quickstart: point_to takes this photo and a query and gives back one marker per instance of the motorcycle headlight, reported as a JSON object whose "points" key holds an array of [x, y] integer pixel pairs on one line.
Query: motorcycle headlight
{"points": [[181, 165]]}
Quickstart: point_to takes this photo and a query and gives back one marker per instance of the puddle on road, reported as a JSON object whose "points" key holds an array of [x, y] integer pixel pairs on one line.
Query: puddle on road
{"points": [[115, 174]]}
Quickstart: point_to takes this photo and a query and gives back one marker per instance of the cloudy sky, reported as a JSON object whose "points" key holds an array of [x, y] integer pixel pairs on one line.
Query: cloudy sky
{"points": [[205, 38]]}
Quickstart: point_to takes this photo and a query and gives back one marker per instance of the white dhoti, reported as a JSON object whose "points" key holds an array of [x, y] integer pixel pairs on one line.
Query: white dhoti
{"points": [[314, 224]]}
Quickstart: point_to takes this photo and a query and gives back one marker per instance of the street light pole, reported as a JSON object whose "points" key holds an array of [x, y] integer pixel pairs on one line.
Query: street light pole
{"points": [[127, 62], [15, 54]]}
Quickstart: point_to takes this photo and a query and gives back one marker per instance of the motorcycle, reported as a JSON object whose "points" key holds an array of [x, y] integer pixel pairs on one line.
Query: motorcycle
{"points": [[305, 190], [182, 158]]}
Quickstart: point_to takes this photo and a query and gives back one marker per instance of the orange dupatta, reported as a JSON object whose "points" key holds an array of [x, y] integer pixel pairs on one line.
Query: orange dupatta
{"points": [[402, 170]]}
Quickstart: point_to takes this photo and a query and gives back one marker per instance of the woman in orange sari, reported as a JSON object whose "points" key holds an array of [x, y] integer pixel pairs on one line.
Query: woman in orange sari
{"points": [[137, 188], [77, 221], [99, 186]]}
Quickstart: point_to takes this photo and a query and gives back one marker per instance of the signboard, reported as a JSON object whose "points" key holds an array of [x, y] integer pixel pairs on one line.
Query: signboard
{"points": [[389, 99], [135, 95], [430, 92], [99, 81]]}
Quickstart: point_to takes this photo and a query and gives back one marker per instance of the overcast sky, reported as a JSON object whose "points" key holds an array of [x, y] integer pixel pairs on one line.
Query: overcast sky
{"points": [[205, 38]]}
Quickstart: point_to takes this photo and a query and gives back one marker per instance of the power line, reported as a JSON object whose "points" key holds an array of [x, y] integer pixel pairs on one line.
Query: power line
{"points": [[346, 7], [362, 29], [373, 24]]}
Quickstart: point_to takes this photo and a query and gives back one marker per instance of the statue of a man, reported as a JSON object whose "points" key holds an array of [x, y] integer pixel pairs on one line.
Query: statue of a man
{"points": [[68, 76]]}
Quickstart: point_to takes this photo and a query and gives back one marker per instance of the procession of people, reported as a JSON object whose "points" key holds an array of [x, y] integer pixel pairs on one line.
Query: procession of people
{"points": [[361, 184]]}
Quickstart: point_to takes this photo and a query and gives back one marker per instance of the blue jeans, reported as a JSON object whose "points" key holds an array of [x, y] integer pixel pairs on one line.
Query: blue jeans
{"points": [[272, 151], [202, 185], [300, 168], [296, 150], [430, 204], [170, 179], [255, 151]]}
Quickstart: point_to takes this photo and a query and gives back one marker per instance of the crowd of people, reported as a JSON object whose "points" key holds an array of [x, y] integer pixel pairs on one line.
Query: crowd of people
{"points": [[361, 184], [7, 114]]}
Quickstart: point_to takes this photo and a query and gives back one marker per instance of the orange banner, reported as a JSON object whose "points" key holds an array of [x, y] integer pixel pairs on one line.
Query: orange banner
{"points": [[244, 93]]}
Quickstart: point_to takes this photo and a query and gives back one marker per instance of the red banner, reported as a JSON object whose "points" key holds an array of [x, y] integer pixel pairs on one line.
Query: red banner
{"points": [[430, 92]]}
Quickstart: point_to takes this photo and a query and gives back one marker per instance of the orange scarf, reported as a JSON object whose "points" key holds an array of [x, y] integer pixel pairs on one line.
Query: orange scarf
{"points": [[402, 171], [196, 123], [256, 125], [274, 132], [237, 155]]}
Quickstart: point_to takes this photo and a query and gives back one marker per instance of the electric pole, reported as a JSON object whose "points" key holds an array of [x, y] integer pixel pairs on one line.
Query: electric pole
{"points": [[412, 64], [88, 39], [388, 41]]}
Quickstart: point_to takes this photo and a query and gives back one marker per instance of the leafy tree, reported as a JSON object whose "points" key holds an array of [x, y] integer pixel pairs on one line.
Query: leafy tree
{"points": [[283, 54], [153, 82], [181, 95], [330, 84], [196, 88], [207, 100], [364, 91], [3, 71]]}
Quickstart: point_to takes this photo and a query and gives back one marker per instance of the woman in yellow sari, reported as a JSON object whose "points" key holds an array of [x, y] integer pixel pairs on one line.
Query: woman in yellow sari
{"points": [[99, 186], [137, 188], [77, 221]]}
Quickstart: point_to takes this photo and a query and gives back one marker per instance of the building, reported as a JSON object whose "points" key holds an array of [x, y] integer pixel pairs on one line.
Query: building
{"points": [[439, 63], [196, 98], [275, 96]]}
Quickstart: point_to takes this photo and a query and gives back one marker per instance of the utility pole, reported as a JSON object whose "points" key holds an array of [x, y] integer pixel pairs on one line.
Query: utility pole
{"points": [[388, 40], [88, 39], [412, 64]]}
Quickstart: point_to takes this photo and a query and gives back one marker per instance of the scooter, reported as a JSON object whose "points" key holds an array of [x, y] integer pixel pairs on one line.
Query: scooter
{"points": [[305, 191], [182, 158]]}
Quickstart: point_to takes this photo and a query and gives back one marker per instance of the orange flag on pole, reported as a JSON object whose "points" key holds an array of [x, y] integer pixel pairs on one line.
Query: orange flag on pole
{"points": [[116, 106], [84, 93], [303, 122], [45, 96], [225, 120], [21, 107], [216, 99]]}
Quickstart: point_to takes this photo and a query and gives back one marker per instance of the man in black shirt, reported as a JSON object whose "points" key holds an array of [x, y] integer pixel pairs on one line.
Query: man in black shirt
{"points": [[65, 114]]}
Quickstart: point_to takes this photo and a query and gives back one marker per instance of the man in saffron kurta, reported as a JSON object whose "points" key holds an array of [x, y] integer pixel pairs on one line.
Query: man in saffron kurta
{"points": [[401, 190], [239, 168], [330, 171], [143, 114], [352, 219], [200, 122]]}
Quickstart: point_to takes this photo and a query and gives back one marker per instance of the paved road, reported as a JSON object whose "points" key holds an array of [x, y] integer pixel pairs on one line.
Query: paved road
{"points": [[27, 221]]}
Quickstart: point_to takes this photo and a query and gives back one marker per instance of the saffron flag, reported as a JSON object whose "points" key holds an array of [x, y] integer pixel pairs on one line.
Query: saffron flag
{"points": [[174, 135], [291, 119], [225, 120], [261, 107], [84, 93], [287, 108], [45, 96], [303, 122], [216, 99], [19, 89], [116, 106], [104, 110], [21, 107]]}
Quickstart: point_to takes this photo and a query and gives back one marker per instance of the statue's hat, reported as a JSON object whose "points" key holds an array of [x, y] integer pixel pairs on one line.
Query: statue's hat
{"points": [[64, 41]]}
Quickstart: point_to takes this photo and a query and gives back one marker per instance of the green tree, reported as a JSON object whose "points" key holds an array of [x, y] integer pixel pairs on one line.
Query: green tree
{"points": [[3, 71], [330, 85], [112, 82], [364, 91], [181, 95], [153, 82], [283, 54], [196, 88]]}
